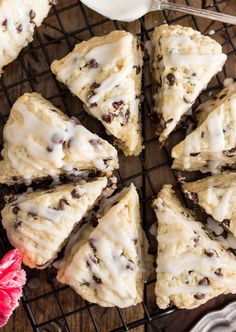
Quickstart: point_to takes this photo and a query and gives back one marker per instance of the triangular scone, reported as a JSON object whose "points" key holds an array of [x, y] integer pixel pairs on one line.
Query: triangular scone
{"points": [[39, 223], [192, 268], [105, 73], [211, 147], [104, 265], [217, 196], [17, 25], [41, 141], [184, 61], [203, 110]]}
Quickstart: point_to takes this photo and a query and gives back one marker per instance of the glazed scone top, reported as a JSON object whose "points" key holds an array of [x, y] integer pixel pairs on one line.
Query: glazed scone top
{"points": [[104, 264], [41, 141], [217, 196], [184, 61], [191, 267], [38, 223], [211, 147], [105, 73], [18, 19]]}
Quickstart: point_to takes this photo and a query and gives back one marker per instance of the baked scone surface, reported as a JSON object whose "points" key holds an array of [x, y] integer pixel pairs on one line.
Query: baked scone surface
{"points": [[18, 19], [104, 264], [217, 196], [41, 141], [39, 223], [191, 267], [211, 146], [105, 73], [184, 61]]}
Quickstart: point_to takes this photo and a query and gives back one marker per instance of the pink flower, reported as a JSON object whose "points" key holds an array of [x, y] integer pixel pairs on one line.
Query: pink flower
{"points": [[12, 279]]}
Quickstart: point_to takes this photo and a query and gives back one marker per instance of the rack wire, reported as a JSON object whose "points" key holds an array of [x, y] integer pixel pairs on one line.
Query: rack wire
{"points": [[49, 305]]}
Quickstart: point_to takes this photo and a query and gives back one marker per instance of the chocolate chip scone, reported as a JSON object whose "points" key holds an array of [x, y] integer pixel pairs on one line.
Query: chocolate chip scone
{"points": [[211, 146], [105, 73], [38, 223], [192, 267], [104, 265], [41, 141], [18, 19], [217, 196], [184, 61]]}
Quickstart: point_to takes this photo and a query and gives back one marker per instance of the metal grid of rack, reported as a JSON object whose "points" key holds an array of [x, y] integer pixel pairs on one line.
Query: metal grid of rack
{"points": [[31, 72]]}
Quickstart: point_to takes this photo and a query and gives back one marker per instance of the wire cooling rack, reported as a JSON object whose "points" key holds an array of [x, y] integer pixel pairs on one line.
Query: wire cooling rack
{"points": [[49, 305]]}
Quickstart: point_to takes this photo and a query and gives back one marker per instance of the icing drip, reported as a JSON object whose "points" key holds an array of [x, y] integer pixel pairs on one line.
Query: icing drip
{"points": [[51, 144]]}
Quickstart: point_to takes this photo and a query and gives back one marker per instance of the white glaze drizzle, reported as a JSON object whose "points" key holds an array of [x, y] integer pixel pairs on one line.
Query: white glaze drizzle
{"points": [[42, 237], [189, 261], [35, 137], [114, 242]]}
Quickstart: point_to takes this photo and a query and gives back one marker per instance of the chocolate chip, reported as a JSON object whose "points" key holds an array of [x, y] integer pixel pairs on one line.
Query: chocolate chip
{"points": [[199, 296], [108, 118], [94, 221], [226, 222], [224, 234], [4, 24], [135, 241], [93, 105], [75, 194], [97, 280], [222, 96], [194, 154], [15, 209], [32, 214], [159, 58], [32, 15], [205, 282], [63, 203], [229, 153], [53, 2], [92, 243], [138, 69], [95, 142], [14, 178], [118, 104], [17, 224], [130, 265], [202, 134], [218, 272], [211, 252], [90, 94], [49, 149], [19, 28], [196, 239], [57, 139], [126, 117], [95, 85], [171, 79], [92, 63], [193, 196], [94, 259], [85, 283]]}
